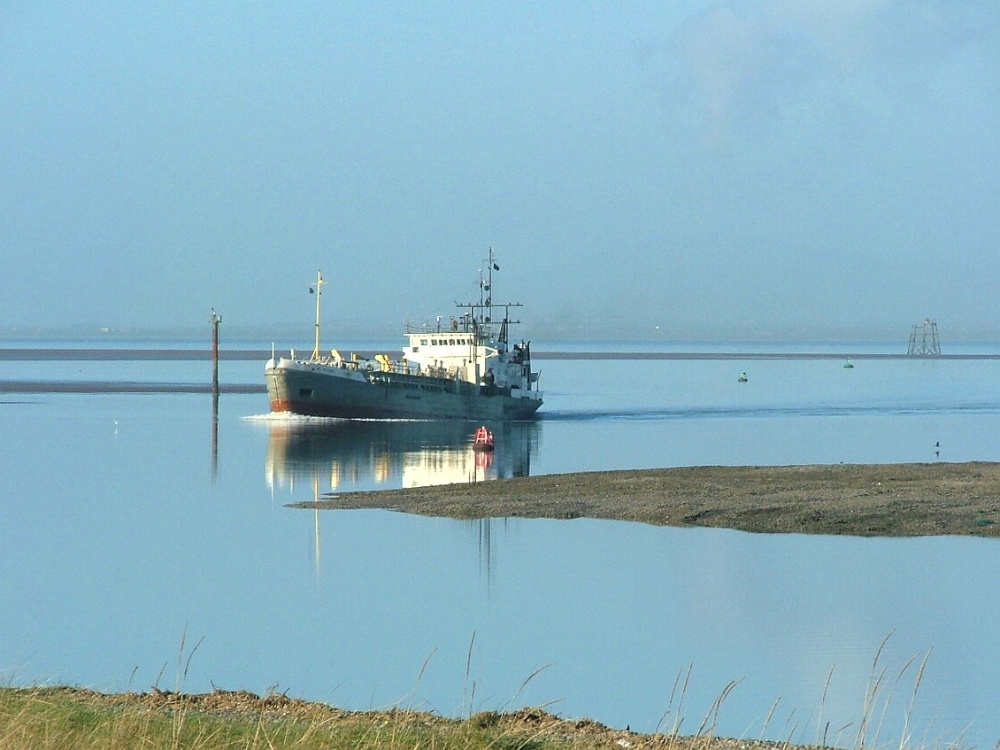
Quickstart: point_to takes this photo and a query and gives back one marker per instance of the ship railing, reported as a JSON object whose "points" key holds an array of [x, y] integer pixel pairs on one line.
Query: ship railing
{"points": [[357, 363], [385, 364], [483, 329]]}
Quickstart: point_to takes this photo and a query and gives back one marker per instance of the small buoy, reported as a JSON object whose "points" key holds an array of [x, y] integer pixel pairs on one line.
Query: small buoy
{"points": [[742, 378], [483, 440], [848, 364]]}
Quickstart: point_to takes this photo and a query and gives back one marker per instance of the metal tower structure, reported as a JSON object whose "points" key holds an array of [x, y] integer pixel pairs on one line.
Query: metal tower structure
{"points": [[924, 340]]}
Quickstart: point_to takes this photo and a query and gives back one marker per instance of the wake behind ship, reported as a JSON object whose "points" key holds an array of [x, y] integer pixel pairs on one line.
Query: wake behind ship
{"points": [[469, 370]]}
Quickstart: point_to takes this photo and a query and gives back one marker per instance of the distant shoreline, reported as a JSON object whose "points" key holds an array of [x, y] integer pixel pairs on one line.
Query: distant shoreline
{"points": [[91, 354], [29, 354]]}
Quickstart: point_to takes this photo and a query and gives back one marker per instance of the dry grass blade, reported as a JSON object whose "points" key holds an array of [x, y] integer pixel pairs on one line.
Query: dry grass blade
{"points": [[871, 694], [767, 719], [678, 717], [904, 735], [711, 720], [471, 699], [823, 729]]}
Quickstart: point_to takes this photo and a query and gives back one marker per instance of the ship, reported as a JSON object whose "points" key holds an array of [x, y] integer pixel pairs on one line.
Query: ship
{"points": [[468, 369]]}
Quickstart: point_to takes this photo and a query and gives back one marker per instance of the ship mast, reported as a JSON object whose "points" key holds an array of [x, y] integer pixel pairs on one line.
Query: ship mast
{"points": [[319, 294], [489, 282], [480, 316], [487, 303]]}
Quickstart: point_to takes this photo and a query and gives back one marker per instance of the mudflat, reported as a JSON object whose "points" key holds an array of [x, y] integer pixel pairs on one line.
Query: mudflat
{"points": [[864, 500]]}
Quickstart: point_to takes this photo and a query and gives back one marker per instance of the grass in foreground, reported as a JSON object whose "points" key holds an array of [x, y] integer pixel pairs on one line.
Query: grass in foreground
{"points": [[40, 718], [64, 717]]}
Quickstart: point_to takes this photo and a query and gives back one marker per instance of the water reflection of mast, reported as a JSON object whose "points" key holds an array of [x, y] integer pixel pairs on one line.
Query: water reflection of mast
{"points": [[316, 545], [215, 435], [486, 549]]}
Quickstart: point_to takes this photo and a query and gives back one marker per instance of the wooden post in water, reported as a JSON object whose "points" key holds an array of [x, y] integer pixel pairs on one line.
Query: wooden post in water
{"points": [[215, 319]]}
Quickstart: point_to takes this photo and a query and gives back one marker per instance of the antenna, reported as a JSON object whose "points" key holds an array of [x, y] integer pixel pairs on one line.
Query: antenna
{"points": [[492, 267], [489, 275]]}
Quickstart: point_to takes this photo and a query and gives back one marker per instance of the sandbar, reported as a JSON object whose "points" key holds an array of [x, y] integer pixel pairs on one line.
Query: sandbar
{"points": [[895, 500]]}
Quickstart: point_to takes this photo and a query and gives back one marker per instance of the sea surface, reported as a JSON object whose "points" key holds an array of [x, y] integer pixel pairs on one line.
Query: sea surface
{"points": [[145, 540]]}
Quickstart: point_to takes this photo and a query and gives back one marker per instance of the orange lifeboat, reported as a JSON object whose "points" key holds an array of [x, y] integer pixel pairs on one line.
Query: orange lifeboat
{"points": [[483, 441]]}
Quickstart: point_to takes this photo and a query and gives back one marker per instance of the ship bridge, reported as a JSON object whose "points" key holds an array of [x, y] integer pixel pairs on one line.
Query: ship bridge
{"points": [[456, 352]]}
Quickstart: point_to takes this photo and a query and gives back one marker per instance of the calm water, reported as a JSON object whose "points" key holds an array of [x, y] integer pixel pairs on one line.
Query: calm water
{"points": [[133, 523]]}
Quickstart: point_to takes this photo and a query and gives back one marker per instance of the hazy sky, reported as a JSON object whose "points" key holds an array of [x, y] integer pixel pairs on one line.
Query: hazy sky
{"points": [[795, 166]]}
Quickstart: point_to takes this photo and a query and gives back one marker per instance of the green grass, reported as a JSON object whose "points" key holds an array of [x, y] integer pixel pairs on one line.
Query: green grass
{"points": [[40, 718], [60, 717]]}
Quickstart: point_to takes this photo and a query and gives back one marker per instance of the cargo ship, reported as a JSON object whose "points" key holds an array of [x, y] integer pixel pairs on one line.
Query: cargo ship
{"points": [[468, 369]]}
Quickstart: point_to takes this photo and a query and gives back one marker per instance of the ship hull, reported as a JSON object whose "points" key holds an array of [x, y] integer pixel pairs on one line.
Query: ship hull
{"points": [[322, 390]]}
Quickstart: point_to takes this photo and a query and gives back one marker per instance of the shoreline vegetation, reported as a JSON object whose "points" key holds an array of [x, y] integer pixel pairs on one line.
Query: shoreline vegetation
{"points": [[56, 717], [892, 500]]}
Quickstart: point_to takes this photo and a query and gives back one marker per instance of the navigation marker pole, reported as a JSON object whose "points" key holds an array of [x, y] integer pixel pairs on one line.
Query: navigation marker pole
{"points": [[215, 319], [319, 293]]}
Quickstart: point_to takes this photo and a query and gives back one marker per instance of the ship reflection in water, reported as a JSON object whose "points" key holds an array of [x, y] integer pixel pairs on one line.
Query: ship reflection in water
{"points": [[348, 455]]}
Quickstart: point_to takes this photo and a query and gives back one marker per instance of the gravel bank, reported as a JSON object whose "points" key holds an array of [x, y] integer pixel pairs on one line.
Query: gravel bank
{"points": [[865, 500]]}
